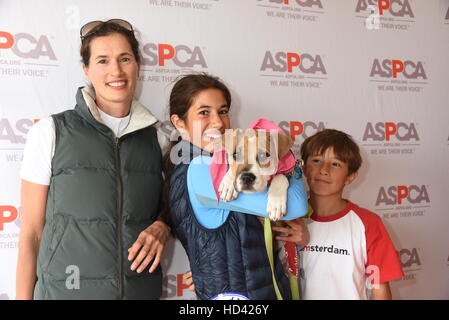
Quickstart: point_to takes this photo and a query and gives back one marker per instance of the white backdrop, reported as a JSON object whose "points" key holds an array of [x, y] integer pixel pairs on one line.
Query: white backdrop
{"points": [[305, 64]]}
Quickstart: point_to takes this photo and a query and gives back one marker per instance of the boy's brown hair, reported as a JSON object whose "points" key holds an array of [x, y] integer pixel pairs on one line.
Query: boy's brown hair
{"points": [[343, 145]]}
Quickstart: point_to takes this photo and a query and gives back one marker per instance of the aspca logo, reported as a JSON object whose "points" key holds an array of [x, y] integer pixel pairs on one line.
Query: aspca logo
{"points": [[9, 214], [397, 8], [290, 61], [301, 3], [174, 286], [386, 131], [15, 132], [302, 129], [180, 55], [409, 258], [393, 68], [25, 45], [396, 195]]}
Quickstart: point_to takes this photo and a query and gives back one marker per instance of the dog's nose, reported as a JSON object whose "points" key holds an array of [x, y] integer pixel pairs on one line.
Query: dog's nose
{"points": [[248, 178]]}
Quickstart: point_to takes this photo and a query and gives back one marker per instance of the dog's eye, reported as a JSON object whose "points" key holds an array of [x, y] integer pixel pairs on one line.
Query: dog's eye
{"points": [[237, 156], [263, 156]]}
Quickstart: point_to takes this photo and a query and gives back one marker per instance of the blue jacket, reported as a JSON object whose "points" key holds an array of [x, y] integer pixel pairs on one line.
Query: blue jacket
{"points": [[230, 258]]}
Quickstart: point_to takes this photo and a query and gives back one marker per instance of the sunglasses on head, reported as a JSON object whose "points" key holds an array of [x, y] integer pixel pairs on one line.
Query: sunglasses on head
{"points": [[88, 28]]}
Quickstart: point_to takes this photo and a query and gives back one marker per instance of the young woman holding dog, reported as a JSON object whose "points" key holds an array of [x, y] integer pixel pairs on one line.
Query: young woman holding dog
{"points": [[231, 256], [91, 185]]}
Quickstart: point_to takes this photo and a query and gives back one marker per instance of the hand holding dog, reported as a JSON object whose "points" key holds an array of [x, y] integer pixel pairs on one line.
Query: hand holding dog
{"points": [[149, 246], [189, 280], [297, 232]]}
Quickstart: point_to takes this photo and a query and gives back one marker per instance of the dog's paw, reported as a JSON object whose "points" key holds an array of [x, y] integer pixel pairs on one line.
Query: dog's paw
{"points": [[226, 190], [276, 206]]}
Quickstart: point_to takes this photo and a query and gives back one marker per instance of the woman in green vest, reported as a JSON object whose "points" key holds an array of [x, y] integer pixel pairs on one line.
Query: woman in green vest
{"points": [[92, 226]]}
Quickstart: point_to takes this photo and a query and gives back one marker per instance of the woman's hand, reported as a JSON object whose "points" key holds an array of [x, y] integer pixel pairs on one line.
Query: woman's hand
{"points": [[149, 246], [189, 280], [297, 232]]}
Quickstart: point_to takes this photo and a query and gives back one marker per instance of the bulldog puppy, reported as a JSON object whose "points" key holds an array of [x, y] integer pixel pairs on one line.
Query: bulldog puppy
{"points": [[253, 157]]}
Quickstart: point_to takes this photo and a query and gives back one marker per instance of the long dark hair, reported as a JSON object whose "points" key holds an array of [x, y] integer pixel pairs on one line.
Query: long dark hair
{"points": [[182, 95]]}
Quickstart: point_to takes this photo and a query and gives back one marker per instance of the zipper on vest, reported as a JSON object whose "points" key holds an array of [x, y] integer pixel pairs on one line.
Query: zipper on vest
{"points": [[119, 223]]}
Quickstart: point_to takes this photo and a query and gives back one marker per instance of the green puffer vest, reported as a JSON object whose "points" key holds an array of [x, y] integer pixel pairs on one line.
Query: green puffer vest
{"points": [[103, 192]]}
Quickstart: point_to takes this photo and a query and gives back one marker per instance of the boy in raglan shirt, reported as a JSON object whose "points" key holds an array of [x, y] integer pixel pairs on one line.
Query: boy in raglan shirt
{"points": [[349, 249]]}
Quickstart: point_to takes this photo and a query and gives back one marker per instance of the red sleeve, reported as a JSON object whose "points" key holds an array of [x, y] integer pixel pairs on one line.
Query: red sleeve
{"points": [[380, 249]]}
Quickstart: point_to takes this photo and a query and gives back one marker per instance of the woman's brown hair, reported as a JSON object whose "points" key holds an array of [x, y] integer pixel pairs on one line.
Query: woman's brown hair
{"points": [[105, 29]]}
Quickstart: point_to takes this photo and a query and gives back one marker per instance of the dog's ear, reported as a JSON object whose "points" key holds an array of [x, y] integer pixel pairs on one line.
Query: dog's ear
{"points": [[229, 141], [284, 144]]}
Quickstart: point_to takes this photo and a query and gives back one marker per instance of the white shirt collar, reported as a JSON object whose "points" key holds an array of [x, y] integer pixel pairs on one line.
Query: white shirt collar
{"points": [[117, 125], [139, 116]]}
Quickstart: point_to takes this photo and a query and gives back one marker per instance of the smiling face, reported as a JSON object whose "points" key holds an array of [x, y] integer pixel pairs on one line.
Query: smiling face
{"points": [[206, 120], [326, 174], [113, 72]]}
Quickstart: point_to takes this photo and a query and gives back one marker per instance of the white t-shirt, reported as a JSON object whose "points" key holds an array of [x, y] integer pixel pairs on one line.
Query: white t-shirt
{"points": [[343, 252], [40, 146]]}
